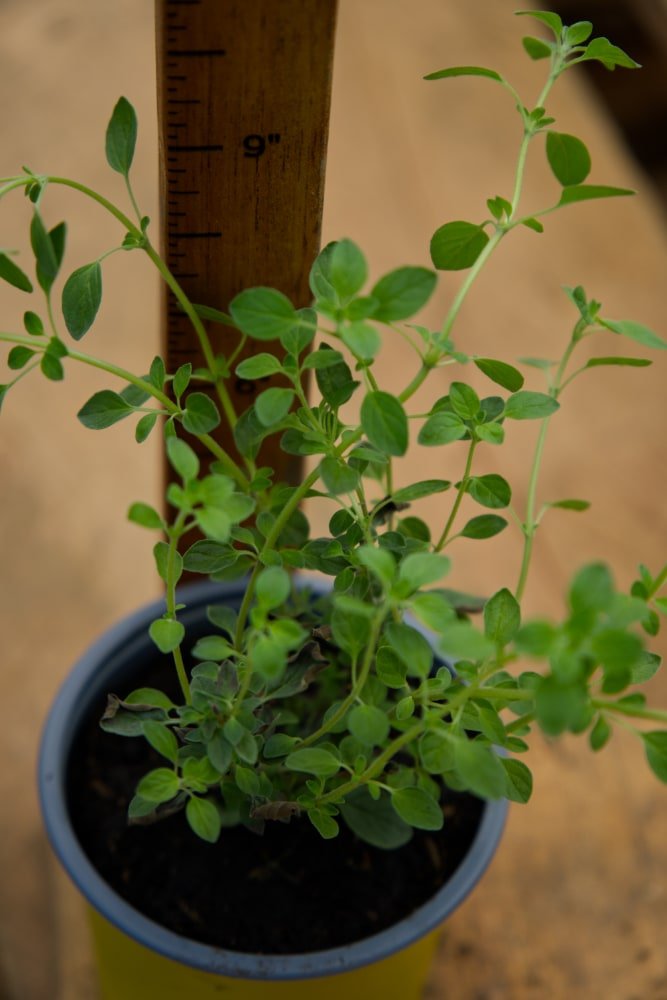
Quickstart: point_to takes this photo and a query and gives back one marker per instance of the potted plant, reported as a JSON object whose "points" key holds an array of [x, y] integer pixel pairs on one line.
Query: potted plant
{"points": [[309, 735]]}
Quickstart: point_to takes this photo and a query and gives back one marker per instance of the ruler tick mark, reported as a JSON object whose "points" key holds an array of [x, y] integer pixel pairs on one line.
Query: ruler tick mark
{"points": [[173, 148], [172, 100]]}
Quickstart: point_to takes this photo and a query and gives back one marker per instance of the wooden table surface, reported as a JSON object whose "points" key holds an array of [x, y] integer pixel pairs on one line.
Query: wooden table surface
{"points": [[575, 904]]}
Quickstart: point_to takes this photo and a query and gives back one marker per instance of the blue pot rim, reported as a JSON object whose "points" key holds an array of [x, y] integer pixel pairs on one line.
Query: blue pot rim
{"points": [[115, 646]]}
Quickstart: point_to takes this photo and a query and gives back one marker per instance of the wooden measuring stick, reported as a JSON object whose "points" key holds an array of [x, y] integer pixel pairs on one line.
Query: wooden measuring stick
{"points": [[244, 90]]}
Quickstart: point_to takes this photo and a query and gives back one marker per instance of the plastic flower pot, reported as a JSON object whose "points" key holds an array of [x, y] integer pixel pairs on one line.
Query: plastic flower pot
{"points": [[137, 957]]}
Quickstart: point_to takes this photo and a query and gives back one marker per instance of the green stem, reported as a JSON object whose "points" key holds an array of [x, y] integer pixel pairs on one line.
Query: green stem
{"points": [[530, 525], [269, 544], [459, 497], [634, 711], [362, 677], [174, 536]]}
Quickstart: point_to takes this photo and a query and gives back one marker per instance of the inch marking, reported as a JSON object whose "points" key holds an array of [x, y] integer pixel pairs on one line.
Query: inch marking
{"points": [[212, 148], [254, 145], [171, 100]]}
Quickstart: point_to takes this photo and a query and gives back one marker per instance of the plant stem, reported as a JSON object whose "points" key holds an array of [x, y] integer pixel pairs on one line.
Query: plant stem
{"points": [[174, 535], [634, 711], [459, 497], [366, 665]]}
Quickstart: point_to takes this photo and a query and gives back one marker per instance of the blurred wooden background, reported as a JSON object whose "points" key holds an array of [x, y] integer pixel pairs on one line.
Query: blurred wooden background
{"points": [[575, 904]]}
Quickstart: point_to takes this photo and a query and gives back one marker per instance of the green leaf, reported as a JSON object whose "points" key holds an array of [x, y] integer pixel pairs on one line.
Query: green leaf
{"points": [[536, 48], [578, 32], [204, 818], [423, 488], [417, 808], [103, 409], [272, 405], [263, 313], [214, 523], [19, 357], [600, 734], [457, 245], [183, 459], [462, 641], [48, 248], [161, 739], [368, 724], [484, 526], [551, 20], [636, 331], [347, 269], [52, 368], [385, 423], [443, 74], [212, 647], [362, 339], [389, 668], [315, 761], [617, 651], [433, 610], [402, 293], [144, 426], [437, 752], [181, 379], [145, 516], [375, 821], [121, 137], [559, 706], [421, 568], [526, 405], [33, 324], [338, 477], [627, 362], [589, 192], [167, 634], [326, 825], [502, 617], [592, 589], [500, 373], [322, 359], [519, 786], [579, 505], [159, 785], [655, 745], [490, 491], [568, 158], [12, 273], [335, 382], [491, 433], [379, 561], [646, 667], [201, 414], [601, 50], [211, 314], [259, 366], [442, 428], [81, 298], [411, 648], [464, 400], [480, 769], [273, 587], [534, 224]]}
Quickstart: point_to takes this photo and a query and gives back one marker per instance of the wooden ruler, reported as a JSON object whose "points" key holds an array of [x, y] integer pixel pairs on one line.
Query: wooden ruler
{"points": [[244, 90]]}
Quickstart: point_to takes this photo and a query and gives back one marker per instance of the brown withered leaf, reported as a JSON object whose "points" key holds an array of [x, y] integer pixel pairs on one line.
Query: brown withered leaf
{"points": [[282, 811]]}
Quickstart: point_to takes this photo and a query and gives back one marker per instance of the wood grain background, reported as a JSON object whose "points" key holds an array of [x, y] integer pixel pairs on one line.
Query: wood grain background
{"points": [[575, 904]]}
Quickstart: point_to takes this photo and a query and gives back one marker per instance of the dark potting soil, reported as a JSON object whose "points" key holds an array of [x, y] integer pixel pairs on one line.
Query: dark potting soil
{"points": [[284, 891]]}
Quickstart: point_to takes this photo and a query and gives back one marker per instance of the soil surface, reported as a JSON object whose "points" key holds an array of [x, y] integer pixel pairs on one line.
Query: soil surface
{"points": [[284, 891]]}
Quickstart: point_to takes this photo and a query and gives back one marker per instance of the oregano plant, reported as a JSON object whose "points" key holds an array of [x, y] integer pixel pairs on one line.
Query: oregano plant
{"points": [[360, 703]]}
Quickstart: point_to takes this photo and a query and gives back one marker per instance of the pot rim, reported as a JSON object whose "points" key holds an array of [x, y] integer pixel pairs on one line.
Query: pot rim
{"points": [[112, 648]]}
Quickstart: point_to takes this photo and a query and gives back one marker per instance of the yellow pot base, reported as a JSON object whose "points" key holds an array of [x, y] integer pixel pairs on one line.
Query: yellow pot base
{"points": [[129, 971]]}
